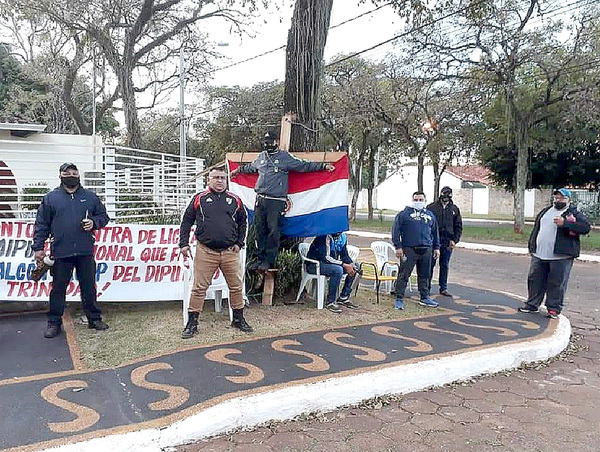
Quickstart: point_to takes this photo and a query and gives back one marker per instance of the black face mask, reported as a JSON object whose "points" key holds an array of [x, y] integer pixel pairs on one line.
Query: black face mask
{"points": [[560, 205], [446, 198], [70, 181]]}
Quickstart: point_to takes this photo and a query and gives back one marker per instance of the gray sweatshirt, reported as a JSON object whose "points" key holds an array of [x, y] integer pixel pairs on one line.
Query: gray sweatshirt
{"points": [[273, 169]]}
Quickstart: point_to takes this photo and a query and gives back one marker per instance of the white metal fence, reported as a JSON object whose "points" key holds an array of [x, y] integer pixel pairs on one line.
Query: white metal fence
{"points": [[135, 185]]}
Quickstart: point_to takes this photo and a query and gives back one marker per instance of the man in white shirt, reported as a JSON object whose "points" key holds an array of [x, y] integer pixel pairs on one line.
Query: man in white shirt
{"points": [[553, 245]]}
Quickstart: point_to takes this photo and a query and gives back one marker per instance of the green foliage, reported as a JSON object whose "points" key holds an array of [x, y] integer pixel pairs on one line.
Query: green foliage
{"points": [[289, 265], [38, 190]]}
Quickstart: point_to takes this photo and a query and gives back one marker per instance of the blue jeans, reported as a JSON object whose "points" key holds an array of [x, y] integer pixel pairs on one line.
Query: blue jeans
{"points": [[334, 273], [548, 278], [445, 254]]}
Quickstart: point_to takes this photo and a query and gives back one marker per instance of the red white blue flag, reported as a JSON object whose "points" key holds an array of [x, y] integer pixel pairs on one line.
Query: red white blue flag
{"points": [[318, 199]]}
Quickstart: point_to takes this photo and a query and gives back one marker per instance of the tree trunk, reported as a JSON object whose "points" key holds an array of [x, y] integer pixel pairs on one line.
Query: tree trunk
{"points": [[420, 169], [134, 133], [520, 177], [304, 66], [371, 183], [356, 191], [436, 180]]}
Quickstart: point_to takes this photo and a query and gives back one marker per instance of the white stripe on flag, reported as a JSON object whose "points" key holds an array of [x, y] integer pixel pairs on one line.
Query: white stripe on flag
{"points": [[333, 194]]}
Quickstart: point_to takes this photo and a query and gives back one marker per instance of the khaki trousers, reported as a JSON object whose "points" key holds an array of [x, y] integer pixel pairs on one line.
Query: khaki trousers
{"points": [[205, 264]]}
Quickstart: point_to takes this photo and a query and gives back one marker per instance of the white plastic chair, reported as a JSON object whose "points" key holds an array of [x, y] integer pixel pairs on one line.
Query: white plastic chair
{"points": [[220, 291], [382, 252], [307, 277]]}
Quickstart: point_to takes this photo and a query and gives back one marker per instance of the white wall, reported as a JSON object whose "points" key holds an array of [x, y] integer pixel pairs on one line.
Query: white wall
{"points": [[396, 191], [37, 157]]}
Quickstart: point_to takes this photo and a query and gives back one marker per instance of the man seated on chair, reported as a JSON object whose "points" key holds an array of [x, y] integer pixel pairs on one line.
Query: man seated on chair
{"points": [[416, 238], [331, 252]]}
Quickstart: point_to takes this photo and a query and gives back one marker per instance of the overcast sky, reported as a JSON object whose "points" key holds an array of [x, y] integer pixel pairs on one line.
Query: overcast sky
{"points": [[350, 37]]}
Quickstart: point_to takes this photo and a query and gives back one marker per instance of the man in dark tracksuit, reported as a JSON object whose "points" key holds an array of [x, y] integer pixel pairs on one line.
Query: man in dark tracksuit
{"points": [[70, 214], [332, 253], [449, 223], [415, 237], [272, 166], [554, 245], [220, 219]]}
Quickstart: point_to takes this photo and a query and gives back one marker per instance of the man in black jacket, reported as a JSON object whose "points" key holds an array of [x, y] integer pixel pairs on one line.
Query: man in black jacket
{"points": [[69, 214], [220, 219], [553, 244], [449, 222]]}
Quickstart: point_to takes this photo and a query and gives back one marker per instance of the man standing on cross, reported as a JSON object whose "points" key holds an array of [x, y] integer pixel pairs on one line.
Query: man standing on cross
{"points": [[273, 166]]}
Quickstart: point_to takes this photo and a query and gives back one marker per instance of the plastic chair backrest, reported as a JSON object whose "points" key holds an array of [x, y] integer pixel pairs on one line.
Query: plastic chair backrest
{"points": [[381, 250], [353, 252], [303, 249]]}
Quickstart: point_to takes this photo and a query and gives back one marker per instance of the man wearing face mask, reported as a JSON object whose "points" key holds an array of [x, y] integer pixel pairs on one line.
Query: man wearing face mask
{"points": [[449, 222], [553, 245], [272, 166], [416, 239], [70, 214]]}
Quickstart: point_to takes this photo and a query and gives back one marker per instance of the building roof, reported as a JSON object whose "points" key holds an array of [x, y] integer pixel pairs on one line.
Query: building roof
{"points": [[471, 173]]}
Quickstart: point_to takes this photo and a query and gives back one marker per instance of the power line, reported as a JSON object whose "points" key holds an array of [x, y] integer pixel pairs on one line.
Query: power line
{"points": [[268, 52]]}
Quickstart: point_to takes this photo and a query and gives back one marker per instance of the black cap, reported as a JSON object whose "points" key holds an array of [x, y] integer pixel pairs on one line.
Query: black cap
{"points": [[446, 190], [67, 165]]}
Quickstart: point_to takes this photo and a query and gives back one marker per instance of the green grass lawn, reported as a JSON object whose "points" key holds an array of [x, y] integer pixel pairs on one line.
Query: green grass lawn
{"points": [[501, 233]]}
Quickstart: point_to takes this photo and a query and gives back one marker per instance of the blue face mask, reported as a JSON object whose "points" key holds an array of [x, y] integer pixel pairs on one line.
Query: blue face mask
{"points": [[419, 205]]}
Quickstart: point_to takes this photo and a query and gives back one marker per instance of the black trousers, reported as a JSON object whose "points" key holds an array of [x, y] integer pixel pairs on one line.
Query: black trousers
{"points": [[268, 220], [549, 278], [421, 257], [85, 266]]}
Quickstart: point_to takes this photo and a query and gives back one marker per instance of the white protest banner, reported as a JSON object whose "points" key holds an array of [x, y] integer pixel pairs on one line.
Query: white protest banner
{"points": [[133, 263]]}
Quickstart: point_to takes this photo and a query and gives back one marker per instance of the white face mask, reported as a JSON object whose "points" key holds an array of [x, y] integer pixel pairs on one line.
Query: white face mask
{"points": [[419, 205]]}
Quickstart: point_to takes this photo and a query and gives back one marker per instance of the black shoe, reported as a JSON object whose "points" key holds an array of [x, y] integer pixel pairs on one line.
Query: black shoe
{"points": [[528, 309], [239, 321], [445, 293], [254, 265], [191, 327], [52, 330], [97, 325], [333, 307]]}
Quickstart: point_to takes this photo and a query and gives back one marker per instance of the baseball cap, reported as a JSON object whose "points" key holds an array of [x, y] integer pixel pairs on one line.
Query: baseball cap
{"points": [[67, 165], [562, 191], [446, 190]]}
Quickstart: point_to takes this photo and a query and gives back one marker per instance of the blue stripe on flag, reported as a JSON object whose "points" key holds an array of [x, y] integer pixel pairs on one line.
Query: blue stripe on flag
{"points": [[326, 221]]}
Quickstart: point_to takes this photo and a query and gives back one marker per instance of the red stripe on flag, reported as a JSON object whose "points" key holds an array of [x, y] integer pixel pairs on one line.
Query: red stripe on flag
{"points": [[299, 182]]}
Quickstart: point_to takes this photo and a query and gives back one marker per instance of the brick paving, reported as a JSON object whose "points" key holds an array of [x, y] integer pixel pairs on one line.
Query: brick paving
{"points": [[543, 408]]}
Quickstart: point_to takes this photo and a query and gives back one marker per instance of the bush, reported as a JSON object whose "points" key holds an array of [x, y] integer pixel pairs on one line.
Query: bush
{"points": [[33, 202], [591, 210], [289, 265]]}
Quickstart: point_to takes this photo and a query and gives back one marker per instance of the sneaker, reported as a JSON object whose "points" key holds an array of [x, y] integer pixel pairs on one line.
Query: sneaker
{"points": [[429, 303], [399, 304], [348, 304], [528, 309], [97, 325], [445, 293], [334, 307], [553, 313]]}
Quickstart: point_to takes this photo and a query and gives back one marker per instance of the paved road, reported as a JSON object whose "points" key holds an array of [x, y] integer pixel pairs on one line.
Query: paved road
{"points": [[546, 408]]}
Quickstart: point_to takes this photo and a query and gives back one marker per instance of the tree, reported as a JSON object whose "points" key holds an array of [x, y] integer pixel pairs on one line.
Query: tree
{"points": [[504, 46], [303, 69], [139, 40]]}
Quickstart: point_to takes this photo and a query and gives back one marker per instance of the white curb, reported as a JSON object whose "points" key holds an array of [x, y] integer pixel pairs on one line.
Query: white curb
{"points": [[474, 246], [286, 403]]}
